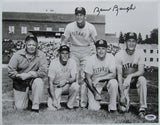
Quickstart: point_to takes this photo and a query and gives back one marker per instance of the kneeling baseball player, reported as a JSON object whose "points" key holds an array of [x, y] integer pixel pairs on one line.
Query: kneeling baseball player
{"points": [[100, 72], [28, 68], [130, 69], [62, 77]]}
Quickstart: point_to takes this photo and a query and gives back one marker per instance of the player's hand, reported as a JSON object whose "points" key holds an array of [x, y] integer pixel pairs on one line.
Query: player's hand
{"points": [[122, 99], [127, 81], [98, 97], [63, 83], [23, 76], [55, 103]]}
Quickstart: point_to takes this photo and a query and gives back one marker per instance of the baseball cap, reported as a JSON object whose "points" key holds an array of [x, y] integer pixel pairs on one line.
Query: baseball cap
{"points": [[64, 47], [80, 10], [101, 43], [130, 35], [31, 37]]}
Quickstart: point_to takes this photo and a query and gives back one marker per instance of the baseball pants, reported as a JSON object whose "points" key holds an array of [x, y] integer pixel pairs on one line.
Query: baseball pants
{"points": [[112, 87], [141, 85], [73, 90], [21, 98], [80, 55]]}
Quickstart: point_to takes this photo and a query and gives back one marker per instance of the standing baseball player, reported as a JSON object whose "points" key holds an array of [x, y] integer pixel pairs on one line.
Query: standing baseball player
{"points": [[62, 77], [130, 69], [100, 72], [27, 68], [81, 35]]}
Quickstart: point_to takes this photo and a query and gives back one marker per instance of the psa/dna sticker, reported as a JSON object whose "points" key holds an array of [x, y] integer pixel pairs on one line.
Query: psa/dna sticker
{"points": [[150, 117]]}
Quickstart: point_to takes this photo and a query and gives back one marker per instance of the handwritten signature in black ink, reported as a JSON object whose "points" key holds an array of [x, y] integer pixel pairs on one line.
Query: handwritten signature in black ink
{"points": [[115, 9]]}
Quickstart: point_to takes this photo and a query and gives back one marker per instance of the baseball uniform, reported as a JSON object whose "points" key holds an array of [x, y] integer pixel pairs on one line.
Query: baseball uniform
{"points": [[130, 65], [98, 69], [60, 72], [81, 40]]}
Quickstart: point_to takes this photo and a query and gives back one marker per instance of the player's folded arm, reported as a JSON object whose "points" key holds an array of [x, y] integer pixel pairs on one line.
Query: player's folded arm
{"points": [[43, 70], [140, 71], [110, 75], [12, 66], [12, 72]]}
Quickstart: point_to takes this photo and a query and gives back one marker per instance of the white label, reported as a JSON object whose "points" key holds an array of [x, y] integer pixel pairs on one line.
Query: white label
{"points": [[150, 117]]}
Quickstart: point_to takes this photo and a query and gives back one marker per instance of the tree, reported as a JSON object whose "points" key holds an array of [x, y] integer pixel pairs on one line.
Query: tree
{"points": [[147, 36], [140, 38], [121, 38], [154, 36], [146, 41]]}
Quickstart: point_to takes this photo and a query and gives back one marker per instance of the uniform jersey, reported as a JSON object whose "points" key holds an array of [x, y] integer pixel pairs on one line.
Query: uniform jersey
{"points": [[129, 62], [60, 72], [80, 36], [98, 68]]}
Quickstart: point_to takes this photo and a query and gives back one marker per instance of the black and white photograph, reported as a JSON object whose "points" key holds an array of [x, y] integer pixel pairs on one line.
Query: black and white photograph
{"points": [[80, 62]]}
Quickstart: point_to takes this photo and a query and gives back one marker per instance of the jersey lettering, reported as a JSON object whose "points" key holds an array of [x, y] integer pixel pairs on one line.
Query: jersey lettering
{"points": [[100, 69], [130, 65], [79, 34]]}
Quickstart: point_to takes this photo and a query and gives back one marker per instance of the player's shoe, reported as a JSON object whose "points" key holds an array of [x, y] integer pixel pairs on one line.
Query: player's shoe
{"points": [[142, 113], [113, 111], [35, 110]]}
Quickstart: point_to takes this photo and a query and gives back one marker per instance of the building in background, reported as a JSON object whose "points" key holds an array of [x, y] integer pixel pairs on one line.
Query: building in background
{"points": [[151, 54], [47, 27], [15, 25]]}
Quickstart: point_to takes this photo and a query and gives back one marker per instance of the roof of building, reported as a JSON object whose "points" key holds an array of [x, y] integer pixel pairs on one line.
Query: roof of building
{"points": [[47, 33], [48, 17]]}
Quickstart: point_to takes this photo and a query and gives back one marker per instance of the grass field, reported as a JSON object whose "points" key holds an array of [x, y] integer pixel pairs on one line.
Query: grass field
{"points": [[79, 115]]}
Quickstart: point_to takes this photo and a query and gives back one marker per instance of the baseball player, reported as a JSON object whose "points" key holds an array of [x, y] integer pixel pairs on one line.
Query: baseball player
{"points": [[62, 77], [27, 68], [81, 34], [130, 69], [100, 72]]}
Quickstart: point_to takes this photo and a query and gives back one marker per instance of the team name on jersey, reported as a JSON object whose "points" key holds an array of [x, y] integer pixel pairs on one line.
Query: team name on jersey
{"points": [[130, 65], [78, 33], [100, 69]]}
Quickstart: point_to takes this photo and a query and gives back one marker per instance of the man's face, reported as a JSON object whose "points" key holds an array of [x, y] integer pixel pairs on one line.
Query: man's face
{"points": [[131, 44], [101, 52], [80, 18], [64, 55], [31, 46]]}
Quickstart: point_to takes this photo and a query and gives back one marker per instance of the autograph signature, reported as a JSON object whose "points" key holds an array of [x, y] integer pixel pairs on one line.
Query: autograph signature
{"points": [[115, 9]]}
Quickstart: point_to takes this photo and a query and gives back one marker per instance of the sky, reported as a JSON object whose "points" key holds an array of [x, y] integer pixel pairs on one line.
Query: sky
{"points": [[142, 19]]}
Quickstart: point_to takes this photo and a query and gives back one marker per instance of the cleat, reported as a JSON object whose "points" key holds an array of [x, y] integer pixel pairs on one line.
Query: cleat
{"points": [[142, 113]]}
